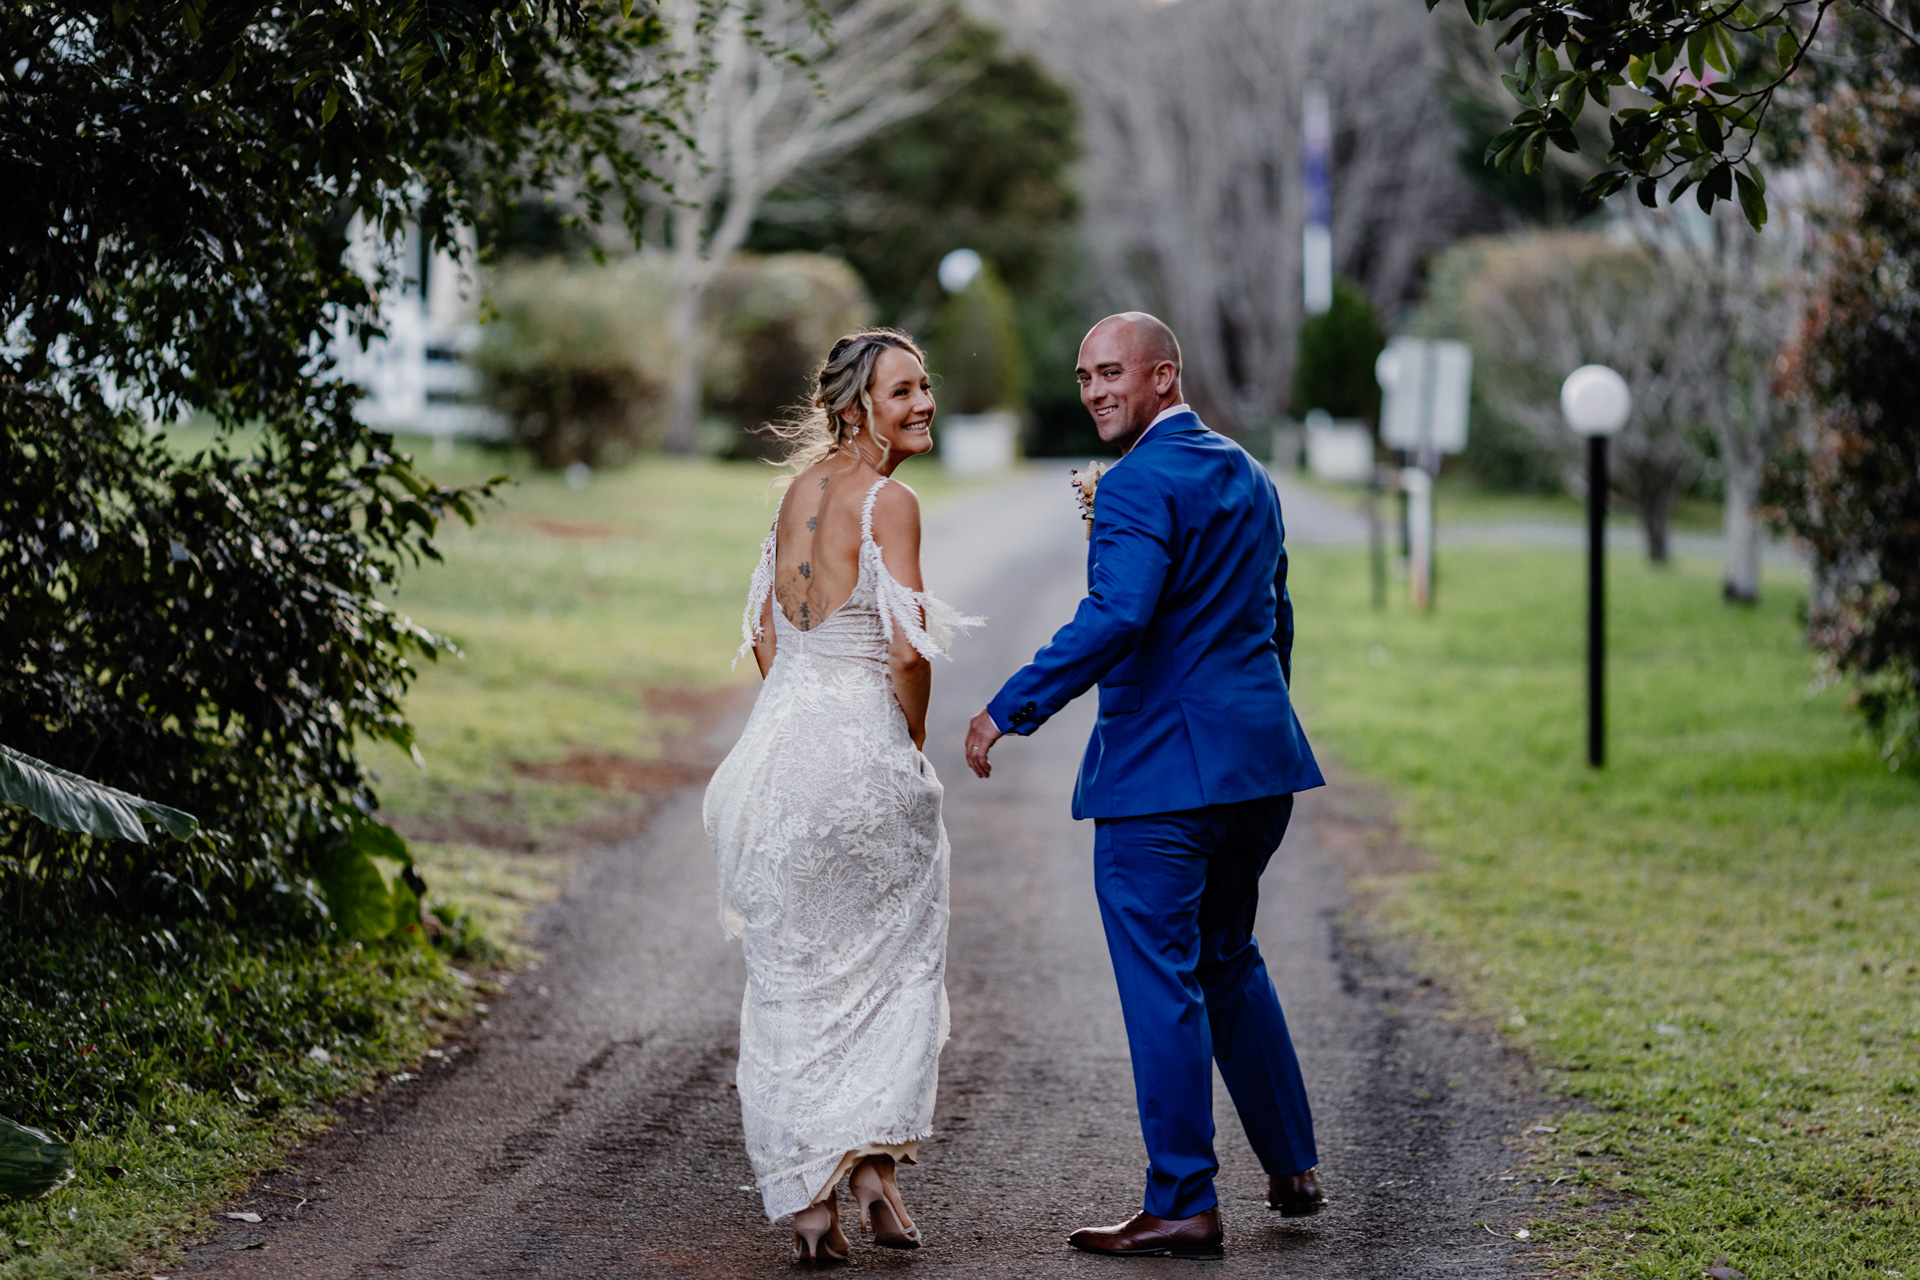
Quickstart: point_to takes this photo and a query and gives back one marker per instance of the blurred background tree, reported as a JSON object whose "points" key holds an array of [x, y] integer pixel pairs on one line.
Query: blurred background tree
{"points": [[772, 320], [974, 347], [1537, 306], [1191, 118], [769, 93], [1338, 347], [990, 170]]}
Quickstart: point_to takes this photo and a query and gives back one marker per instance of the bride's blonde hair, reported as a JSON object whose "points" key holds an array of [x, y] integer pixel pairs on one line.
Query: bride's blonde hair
{"points": [[819, 428]]}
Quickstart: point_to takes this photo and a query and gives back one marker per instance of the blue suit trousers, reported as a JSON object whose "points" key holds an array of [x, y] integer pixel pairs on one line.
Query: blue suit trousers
{"points": [[1177, 895]]}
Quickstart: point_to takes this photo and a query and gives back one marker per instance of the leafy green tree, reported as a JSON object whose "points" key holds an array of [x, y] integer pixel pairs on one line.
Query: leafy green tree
{"points": [[1334, 371], [207, 631], [1694, 82], [975, 348]]}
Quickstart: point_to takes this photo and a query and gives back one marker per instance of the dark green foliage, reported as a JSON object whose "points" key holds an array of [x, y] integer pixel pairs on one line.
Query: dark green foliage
{"points": [[203, 632], [1549, 195], [1694, 84], [103, 1024], [1850, 483], [207, 632], [974, 349], [1334, 371]]}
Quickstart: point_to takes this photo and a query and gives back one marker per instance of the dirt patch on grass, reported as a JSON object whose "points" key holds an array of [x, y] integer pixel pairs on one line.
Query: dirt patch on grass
{"points": [[688, 755], [629, 774], [1354, 822], [578, 529], [630, 785]]}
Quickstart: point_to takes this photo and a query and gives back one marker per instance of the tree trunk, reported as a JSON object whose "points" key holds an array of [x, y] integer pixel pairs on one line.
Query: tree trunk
{"points": [[685, 318], [1742, 535], [1656, 511]]}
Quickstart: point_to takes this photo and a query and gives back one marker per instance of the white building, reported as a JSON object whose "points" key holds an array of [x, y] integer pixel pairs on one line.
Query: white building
{"points": [[417, 379]]}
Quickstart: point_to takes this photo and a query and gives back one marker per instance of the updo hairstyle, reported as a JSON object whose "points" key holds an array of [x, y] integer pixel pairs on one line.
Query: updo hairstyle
{"points": [[819, 429]]}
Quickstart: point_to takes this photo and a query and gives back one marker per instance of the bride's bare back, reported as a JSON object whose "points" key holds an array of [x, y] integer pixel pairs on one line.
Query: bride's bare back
{"points": [[817, 548]]}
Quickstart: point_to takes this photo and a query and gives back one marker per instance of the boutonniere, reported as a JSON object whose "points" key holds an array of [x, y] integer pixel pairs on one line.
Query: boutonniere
{"points": [[1084, 483]]}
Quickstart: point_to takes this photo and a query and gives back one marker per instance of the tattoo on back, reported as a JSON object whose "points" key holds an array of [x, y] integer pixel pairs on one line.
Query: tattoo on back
{"points": [[812, 521], [823, 482], [806, 569], [805, 624]]}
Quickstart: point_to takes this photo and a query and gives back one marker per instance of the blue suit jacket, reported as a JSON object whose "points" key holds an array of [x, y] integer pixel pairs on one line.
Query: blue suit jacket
{"points": [[1188, 630]]}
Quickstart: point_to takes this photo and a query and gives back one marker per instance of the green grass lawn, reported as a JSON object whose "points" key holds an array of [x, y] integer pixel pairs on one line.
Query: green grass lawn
{"points": [[1709, 947]]}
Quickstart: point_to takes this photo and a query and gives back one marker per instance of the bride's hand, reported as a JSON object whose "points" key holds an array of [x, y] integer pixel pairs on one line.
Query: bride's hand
{"points": [[982, 733]]}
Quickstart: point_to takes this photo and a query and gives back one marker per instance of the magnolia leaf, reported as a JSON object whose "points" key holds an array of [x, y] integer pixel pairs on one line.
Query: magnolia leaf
{"points": [[32, 1163], [1753, 201], [364, 904], [73, 803], [357, 895]]}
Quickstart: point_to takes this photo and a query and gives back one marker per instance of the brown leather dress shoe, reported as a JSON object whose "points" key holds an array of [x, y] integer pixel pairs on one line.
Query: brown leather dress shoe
{"points": [[1295, 1195], [1144, 1235]]}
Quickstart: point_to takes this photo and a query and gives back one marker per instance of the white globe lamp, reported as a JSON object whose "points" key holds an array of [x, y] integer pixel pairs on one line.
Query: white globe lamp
{"points": [[1595, 401], [958, 269]]}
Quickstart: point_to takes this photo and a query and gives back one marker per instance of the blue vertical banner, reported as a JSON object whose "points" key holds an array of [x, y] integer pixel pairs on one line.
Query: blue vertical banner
{"points": [[1316, 174]]}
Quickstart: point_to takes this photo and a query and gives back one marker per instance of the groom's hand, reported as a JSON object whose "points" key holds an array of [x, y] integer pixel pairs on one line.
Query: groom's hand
{"points": [[981, 735]]}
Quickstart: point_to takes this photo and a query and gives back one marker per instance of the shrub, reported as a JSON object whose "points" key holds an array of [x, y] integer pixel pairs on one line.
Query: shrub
{"points": [[204, 632], [770, 321], [576, 356], [979, 364], [1334, 371]]}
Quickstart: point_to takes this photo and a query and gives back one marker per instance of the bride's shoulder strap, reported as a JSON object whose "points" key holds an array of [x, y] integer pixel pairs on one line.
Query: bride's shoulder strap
{"points": [[928, 624], [759, 589], [866, 511]]}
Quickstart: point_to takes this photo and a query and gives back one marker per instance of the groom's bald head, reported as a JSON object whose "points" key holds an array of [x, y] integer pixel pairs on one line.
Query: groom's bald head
{"points": [[1145, 334], [1129, 371]]}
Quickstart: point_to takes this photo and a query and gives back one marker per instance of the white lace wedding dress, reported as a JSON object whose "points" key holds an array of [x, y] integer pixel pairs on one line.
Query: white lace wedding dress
{"points": [[833, 873]]}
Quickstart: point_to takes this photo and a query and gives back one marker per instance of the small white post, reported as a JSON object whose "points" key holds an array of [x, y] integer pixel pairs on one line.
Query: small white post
{"points": [[1419, 489]]}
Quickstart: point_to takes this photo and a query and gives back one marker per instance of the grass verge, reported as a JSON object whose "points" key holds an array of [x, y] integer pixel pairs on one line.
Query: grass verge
{"points": [[1709, 946]]}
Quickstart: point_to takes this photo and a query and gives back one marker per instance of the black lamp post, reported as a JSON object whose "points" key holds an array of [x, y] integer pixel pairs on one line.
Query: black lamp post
{"points": [[1595, 402]]}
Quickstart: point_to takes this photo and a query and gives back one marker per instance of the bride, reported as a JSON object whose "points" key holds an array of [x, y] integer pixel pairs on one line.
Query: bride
{"points": [[826, 817]]}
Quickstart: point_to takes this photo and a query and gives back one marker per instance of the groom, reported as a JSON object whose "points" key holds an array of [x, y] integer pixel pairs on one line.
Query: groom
{"points": [[1189, 778]]}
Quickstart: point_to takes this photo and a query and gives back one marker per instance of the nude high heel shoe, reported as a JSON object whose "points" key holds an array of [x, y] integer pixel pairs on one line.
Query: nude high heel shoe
{"points": [[881, 1210], [817, 1238]]}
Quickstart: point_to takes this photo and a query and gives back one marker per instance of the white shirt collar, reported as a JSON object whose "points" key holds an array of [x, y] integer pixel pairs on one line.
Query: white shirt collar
{"points": [[1158, 418]]}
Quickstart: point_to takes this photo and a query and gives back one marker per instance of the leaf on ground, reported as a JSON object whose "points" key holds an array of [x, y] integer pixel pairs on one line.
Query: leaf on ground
{"points": [[244, 1217]]}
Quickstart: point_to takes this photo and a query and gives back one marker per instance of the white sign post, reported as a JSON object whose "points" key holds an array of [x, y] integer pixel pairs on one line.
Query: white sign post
{"points": [[1425, 391]]}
